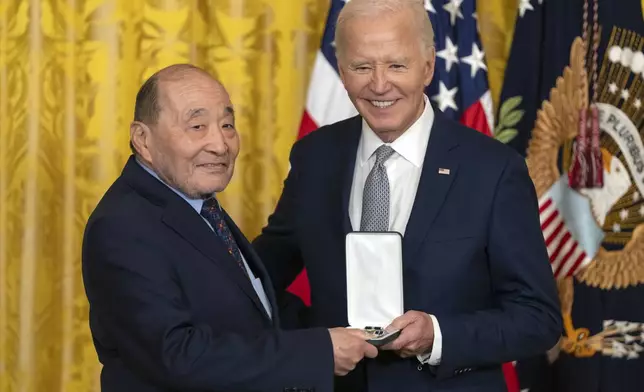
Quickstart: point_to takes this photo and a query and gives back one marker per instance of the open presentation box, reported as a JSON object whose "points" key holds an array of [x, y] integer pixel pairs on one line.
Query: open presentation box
{"points": [[374, 283]]}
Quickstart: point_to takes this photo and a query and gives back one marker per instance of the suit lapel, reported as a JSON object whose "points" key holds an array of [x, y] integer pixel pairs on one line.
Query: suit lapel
{"points": [[347, 168], [256, 266], [188, 224], [185, 221], [440, 168]]}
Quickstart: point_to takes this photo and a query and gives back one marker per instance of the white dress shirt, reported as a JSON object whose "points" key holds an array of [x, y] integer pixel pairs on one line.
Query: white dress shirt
{"points": [[403, 169]]}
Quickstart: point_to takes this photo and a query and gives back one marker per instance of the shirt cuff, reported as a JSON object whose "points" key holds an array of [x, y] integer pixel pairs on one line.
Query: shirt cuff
{"points": [[433, 358]]}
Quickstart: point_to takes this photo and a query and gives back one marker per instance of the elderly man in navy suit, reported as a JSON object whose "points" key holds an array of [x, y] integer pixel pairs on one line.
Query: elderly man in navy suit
{"points": [[478, 288], [179, 301]]}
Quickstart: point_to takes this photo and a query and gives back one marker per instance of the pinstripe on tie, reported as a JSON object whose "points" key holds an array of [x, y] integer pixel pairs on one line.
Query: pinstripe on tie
{"points": [[375, 198]]}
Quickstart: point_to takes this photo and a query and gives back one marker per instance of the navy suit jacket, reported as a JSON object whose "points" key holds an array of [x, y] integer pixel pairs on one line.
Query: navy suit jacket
{"points": [[473, 255], [170, 310]]}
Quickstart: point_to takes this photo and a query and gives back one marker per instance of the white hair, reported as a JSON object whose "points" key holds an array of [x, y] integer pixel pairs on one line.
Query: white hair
{"points": [[374, 8]]}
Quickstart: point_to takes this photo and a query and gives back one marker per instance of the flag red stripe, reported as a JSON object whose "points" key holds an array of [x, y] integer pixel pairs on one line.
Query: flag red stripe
{"points": [[545, 206], [474, 117], [560, 266], [549, 220], [307, 125], [511, 378], [562, 243], [565, 259], [554, 234], [300, 287], [581, 258]]}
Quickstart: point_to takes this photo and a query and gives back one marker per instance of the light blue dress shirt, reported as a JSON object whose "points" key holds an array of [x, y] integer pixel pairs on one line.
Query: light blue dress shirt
{"points": [[197, 204]]}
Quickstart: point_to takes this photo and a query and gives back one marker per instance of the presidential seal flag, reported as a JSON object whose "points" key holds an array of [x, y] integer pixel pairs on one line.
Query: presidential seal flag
{"points": [[594, 231], [584, 149]]}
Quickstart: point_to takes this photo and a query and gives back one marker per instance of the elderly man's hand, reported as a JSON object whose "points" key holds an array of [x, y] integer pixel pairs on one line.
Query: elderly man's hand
{"points": [[416, 334], [349, 347]]}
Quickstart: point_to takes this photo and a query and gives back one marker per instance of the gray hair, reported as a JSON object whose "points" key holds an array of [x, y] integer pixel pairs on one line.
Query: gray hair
{"points": [[372, 8]]}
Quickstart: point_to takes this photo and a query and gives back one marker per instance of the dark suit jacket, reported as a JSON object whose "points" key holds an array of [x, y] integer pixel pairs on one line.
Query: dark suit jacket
{"points": [[170, 310], [473, 254]]}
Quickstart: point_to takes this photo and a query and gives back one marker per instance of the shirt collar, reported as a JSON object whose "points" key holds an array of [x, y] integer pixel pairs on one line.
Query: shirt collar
{"points": [[411, 145], [194, 203]]}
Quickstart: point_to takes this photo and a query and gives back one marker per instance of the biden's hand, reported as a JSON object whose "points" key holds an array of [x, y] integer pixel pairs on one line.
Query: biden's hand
{"points": [[416, 334]]}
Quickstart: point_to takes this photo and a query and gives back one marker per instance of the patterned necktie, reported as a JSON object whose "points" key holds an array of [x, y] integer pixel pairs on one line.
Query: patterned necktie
{"points": [[213, 214], [375, 198]]}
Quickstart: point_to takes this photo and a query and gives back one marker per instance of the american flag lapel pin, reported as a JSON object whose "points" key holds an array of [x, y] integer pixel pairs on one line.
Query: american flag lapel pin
{"points": [[442, 170]]}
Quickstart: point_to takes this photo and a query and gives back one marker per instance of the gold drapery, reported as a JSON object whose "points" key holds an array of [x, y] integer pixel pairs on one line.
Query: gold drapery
{"points": [[496, 26], [69, 73]]}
